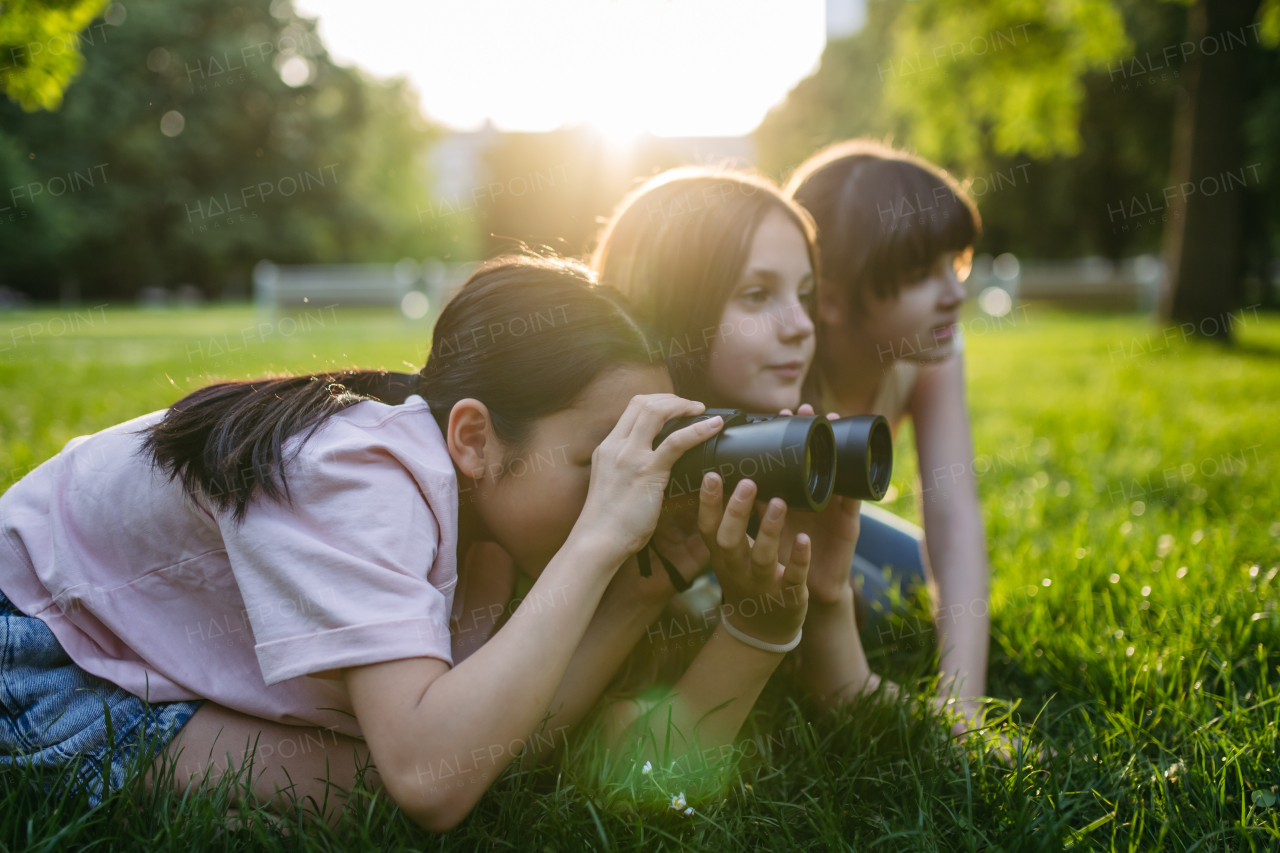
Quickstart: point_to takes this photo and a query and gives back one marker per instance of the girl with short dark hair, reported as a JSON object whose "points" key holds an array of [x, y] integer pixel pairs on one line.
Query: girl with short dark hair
{"points": [[895, 239]]}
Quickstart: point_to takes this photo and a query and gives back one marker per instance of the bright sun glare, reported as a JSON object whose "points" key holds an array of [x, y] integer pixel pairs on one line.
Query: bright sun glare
{"points": [[669, 67]]}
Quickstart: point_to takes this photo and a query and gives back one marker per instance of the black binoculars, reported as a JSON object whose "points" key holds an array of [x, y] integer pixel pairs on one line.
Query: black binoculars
{"points": [[803, 459]]}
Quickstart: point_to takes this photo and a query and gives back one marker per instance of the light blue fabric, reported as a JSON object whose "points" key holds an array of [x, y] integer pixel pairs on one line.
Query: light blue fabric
{"points": [[56, 715], [888, 555]]}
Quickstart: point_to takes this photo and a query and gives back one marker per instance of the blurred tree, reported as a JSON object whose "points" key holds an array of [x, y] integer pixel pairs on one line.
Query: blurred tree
{"points": [[1205, 238], [40, 44], [1004, 71], [1088, 92], [1048, 207], [216, 134]]}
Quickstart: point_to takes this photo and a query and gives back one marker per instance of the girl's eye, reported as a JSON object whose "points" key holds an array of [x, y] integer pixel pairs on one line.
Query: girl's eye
{"points": [[755, 296], [917, 276]]}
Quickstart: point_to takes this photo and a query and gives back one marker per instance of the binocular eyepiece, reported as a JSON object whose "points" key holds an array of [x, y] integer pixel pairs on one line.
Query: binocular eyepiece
{"points": [[803, 459]]}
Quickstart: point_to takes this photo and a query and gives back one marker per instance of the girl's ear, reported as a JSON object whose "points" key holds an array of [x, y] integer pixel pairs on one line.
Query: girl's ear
{"points": [[833, 304], [473, 446]]}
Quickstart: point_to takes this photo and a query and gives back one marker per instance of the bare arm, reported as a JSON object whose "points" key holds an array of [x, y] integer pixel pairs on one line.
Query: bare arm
{"points": [[424, 722], [763, 599], [954, 533], [630, 605], [833, 664], [707, 706], [625, 613]]}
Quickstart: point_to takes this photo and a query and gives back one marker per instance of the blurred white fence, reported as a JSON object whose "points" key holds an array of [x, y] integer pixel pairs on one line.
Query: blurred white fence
{"points": [[1132, 284], [415, 288]]}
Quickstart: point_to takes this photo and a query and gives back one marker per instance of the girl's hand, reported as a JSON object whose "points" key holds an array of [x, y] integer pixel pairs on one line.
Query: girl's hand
{"points": [[628, 477], [676, 538], [834, 537], [750, 575]]}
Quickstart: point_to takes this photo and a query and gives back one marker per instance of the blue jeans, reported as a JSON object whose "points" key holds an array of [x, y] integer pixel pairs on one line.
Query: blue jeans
{"points": [[888, 555], [58, 717]]}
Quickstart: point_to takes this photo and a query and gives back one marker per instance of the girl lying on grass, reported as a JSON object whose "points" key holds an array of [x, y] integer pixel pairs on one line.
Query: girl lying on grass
{"points": [[895, 238], [721, 265], [261, 578]]}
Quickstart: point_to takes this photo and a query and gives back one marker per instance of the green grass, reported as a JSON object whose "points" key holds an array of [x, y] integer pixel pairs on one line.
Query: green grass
{"points": [[1104, 472]]}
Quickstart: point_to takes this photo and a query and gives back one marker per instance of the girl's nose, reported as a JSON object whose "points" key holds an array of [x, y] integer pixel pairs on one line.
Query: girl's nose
{"points": [[797, 324], [953, 291]]}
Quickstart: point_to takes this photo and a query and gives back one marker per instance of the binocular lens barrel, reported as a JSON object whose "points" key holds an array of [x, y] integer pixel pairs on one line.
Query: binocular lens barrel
{"points": [[803, 459], [790, 458], [864, 449]]}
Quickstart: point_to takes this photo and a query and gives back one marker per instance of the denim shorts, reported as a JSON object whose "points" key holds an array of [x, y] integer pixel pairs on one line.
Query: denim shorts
{"points": [[81, 729]]}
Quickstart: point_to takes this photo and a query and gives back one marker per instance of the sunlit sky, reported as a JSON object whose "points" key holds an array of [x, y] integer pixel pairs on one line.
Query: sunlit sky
{"points": [[669, 67]]}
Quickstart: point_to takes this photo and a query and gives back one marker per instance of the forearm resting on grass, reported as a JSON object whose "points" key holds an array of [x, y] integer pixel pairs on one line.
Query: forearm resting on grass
{"points": [[468, 723], [833, 664], [615, 628], [705, 709], [954, 534], [711, 700], [630, 605]]}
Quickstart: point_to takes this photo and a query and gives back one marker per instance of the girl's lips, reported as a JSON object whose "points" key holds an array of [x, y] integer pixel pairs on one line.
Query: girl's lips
{"points": [[944, 333], [790, 370]]}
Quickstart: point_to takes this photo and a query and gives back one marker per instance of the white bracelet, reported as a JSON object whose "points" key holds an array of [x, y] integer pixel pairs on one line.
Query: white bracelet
{"points": [[760, 644]]}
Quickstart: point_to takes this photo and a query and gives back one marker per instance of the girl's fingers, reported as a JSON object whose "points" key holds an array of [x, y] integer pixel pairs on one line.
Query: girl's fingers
{"points": [[806, 409], [732, 535], [628, 420], [710, 507], [797, 570], [682, 440], [656, 410], [764, 554]]}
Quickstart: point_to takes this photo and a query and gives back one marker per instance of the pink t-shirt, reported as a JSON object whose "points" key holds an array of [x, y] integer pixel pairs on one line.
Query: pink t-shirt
{"points": [[158, 593]]}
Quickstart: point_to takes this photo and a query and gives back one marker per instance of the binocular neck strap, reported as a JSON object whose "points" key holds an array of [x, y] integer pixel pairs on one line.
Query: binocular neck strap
{"points": [[646, 569]]}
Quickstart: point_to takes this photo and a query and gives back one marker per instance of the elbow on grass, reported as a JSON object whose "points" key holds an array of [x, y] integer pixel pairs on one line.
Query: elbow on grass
{"points": [[433, 811]]}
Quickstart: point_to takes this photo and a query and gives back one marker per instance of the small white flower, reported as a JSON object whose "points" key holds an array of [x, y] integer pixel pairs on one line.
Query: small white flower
{"points": [[647, 769], [688, 812], [677, 801]]}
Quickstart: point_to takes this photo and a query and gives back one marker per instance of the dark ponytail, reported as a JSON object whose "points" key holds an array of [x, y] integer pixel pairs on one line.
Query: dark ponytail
{"points": [[525, 335]]}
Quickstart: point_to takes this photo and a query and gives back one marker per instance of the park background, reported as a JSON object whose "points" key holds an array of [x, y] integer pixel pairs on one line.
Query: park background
{"points": [[1123, 358]]}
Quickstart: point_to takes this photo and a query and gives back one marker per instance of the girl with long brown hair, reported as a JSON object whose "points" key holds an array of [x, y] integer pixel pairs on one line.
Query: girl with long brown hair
{"points": [[722, 266]]}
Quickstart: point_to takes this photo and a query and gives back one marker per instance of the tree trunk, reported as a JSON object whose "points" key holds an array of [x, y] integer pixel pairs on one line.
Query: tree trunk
{"points": [[1204, 235]]}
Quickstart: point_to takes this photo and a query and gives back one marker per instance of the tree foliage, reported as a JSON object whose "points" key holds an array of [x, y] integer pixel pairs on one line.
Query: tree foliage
{"points": [[1080, 112], [1010, 71], [206, 161], [40, 47]]}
